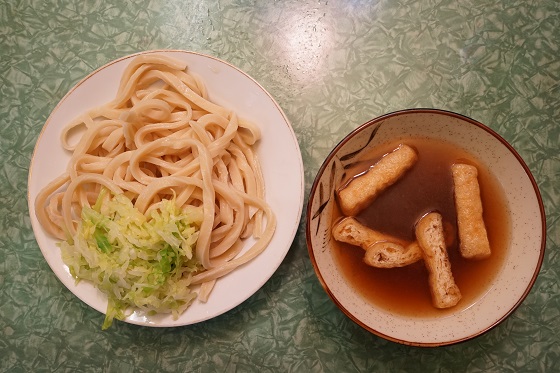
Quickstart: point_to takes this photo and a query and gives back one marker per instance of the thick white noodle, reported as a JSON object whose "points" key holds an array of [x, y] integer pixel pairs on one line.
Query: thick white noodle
{"points": [[161, 138]]}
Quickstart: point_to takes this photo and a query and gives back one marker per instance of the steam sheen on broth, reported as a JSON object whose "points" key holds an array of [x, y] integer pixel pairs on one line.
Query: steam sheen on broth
{"points": [[426, 187]]}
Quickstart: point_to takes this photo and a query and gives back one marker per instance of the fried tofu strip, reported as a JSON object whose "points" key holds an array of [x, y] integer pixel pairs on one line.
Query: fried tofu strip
{"points": [[363, 189], [351, 231], [382, 250], [385, 254], [473, 238], [430, 236]]}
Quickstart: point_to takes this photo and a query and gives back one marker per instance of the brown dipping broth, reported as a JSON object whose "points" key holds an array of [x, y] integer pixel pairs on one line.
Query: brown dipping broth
{"points": [[426, 187]]}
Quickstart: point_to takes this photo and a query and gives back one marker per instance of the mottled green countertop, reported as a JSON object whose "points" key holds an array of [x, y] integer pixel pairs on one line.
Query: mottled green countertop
{"points": [[331, 65]]}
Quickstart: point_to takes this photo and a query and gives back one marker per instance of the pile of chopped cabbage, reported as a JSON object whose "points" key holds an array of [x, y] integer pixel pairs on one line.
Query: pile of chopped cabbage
{"points": [[138, 261]]}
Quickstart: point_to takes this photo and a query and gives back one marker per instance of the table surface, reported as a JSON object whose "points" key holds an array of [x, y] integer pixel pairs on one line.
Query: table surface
{"points": [[331, 65]]}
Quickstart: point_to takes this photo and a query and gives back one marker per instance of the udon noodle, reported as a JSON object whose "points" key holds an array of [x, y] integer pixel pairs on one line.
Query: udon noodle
{"points": [[161, 138]]}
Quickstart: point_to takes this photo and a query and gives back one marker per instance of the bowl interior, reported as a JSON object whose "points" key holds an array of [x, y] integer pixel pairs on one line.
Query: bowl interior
{"points": [[524, 253]]}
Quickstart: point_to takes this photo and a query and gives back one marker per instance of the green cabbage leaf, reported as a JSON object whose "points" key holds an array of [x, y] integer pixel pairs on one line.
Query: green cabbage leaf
{"points": [[141, 262]]}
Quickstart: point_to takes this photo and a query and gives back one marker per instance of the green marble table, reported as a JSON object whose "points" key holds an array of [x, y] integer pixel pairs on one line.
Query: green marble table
{"points": [[331, 65]]}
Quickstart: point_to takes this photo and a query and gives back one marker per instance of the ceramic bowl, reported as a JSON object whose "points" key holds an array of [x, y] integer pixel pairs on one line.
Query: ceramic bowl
{"points": [[524, 250]]}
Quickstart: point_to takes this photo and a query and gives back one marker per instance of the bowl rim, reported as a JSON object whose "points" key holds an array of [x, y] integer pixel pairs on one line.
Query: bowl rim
{"points": [[331, 155]]}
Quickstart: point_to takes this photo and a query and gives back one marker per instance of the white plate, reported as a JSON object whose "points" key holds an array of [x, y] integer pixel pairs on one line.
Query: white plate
{"points": [[278, 151]]}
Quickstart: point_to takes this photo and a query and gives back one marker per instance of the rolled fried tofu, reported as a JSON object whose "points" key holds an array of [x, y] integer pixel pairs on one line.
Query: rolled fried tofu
{"points": [[363, 189], [430, 236], [385, 254], [473, 238], [351, 231], [382, 250]]}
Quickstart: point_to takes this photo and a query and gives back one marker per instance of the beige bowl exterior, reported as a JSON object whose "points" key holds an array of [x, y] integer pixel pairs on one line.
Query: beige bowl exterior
{"points": [[523, 259]]}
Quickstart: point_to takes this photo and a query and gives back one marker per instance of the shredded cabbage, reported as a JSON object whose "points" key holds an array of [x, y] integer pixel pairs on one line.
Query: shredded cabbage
{"points": [[138, 261]]}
